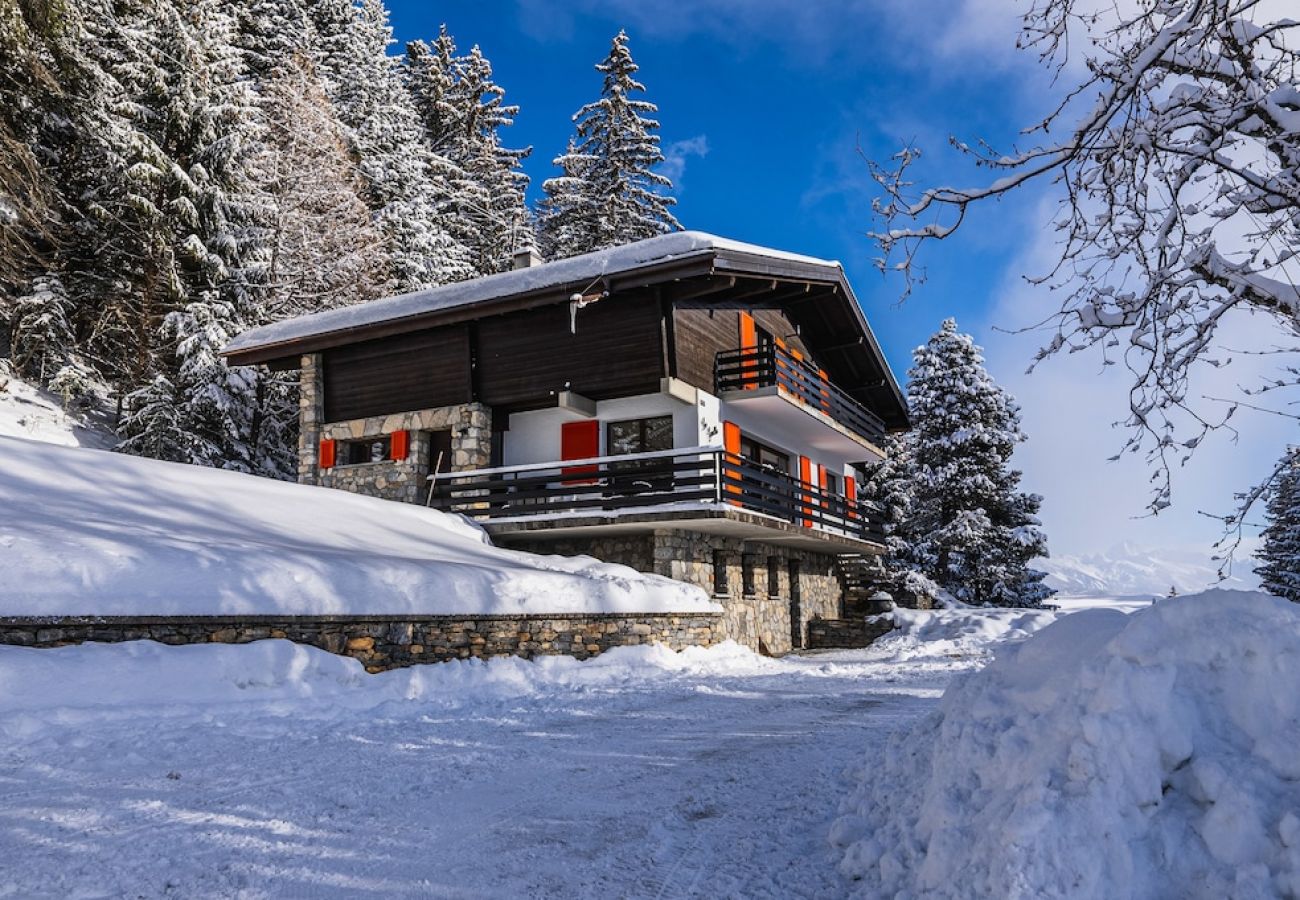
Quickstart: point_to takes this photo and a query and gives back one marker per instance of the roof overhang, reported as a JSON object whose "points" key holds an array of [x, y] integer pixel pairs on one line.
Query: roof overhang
{"points": [[724, 272]]}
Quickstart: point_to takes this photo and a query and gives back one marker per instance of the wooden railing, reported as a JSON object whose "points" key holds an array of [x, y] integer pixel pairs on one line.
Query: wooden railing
{"points": [[641, 481], [772, 365]]}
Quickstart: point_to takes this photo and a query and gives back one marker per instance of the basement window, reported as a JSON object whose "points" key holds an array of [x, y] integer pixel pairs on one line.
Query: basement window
{"points": [[370, 450]]}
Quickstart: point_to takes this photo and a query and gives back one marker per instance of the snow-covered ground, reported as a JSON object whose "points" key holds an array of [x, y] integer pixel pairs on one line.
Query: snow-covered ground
{"points": [[28, 412], [271, 769], [90, 532]]}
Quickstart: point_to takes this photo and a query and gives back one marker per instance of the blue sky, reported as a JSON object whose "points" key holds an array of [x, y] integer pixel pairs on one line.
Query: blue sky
{"points": [[782, 93]]}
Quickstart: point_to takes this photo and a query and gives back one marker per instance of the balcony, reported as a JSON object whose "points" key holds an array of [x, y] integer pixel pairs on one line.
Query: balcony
{"points": [[687, 486], [755, 373]]}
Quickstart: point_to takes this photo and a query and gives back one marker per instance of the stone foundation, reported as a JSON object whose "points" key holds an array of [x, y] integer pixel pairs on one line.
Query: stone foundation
{"points": [[846, 634], [757, 609], [386, 642]]}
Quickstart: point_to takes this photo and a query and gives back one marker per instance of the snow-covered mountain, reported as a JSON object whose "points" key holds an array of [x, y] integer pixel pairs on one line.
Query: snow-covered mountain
{"points": [[1131, 570]]}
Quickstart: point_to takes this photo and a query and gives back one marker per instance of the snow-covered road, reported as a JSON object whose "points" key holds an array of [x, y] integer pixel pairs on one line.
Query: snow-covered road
{"points": [[712, 779]]}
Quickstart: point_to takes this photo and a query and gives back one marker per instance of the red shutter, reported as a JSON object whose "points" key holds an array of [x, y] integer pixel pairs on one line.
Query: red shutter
{"points": [[580, 440], [851, 496], [327, 453], [731, 443], [399, 444], [805, 476]]}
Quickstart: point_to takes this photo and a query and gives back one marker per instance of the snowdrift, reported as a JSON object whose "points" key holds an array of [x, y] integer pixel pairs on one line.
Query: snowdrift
{"points": [[86, 532], [77, 684], [1108, 755]]}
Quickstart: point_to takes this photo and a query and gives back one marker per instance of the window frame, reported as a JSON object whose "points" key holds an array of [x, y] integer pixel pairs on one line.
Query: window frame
{"points": [[642, 431], [344, 451]]}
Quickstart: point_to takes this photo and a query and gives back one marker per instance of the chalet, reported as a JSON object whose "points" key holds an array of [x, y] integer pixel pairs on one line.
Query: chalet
{"points": [[686, 405]]}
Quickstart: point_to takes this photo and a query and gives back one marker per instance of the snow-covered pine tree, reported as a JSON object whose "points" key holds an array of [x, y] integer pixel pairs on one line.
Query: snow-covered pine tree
{"points": [[33, 46], [1279, 551], [609, 192], [463, 111], [970, 530], [152, 426], [402, 186], [40, 334], [887, 485], [273, 33]]}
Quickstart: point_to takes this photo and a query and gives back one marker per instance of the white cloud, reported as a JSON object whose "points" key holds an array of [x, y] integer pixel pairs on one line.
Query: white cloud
{"points": [[676, 155]]}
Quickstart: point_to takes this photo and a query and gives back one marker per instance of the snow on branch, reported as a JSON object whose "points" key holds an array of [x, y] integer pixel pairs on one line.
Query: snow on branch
{"points": [[1177, 157]]}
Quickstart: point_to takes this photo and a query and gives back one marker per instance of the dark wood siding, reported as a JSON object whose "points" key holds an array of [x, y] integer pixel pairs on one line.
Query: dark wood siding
{"points": [[776, 323], [700, 334], [398, 374], [616, 351]]}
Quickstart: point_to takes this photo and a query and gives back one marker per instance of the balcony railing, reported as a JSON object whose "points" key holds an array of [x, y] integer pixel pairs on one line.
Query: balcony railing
{"points": [[642, 481], [772, 365]]}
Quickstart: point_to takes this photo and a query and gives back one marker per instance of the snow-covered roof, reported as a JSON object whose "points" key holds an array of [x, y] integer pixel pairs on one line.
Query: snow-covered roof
{"points": [[579, 271]]}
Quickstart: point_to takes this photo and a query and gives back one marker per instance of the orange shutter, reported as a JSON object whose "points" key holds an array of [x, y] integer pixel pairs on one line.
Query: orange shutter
{"points": [[399, 444], [850, 496], [805, 476], [731, 443], [327, 453], [749, 348], [824, 389], [580, 440]]}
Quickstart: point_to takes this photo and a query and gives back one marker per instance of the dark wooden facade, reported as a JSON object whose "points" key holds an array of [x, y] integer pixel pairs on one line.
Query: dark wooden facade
{"points": [[612, 348], [422, 370], [620, 346]]}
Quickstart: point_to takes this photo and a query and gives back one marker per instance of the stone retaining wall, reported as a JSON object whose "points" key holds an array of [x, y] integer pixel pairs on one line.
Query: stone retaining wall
{"points": [[847, 634], [386, 642], [756, 609]]}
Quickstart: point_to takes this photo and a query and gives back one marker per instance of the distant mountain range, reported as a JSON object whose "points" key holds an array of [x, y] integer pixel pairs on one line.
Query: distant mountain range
{"points": [[1128, 570]]}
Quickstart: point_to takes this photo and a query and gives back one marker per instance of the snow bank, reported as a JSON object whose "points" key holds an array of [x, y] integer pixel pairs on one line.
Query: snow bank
{"points": [[85, 532], [962, 631], [79, 683], [28, 412], [1147, 755]]}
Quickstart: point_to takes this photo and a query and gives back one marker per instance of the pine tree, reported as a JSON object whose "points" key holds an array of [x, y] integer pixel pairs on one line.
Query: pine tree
{"points": [[463, 111], [39, 79], [971, 531], [152, 426], [609, 193], [1279, 552], [40, 334], [387, 139]]}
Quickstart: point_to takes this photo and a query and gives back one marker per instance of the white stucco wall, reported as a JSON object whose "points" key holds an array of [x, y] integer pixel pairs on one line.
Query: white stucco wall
{"points": [[791, 440], [534, 437]]}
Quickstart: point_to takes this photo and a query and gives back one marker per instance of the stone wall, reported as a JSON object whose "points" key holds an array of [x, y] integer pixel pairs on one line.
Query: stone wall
{"points": [[756, 609], [470, 425], [836, 634], [386, 642], [634, 550]]}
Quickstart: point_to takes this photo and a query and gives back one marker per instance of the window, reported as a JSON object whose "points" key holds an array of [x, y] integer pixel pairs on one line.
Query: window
{"points": [[748, 563], [773, 576], [639, 435], [370, 450], [764, 455], [719, 573], [833, 484]]}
